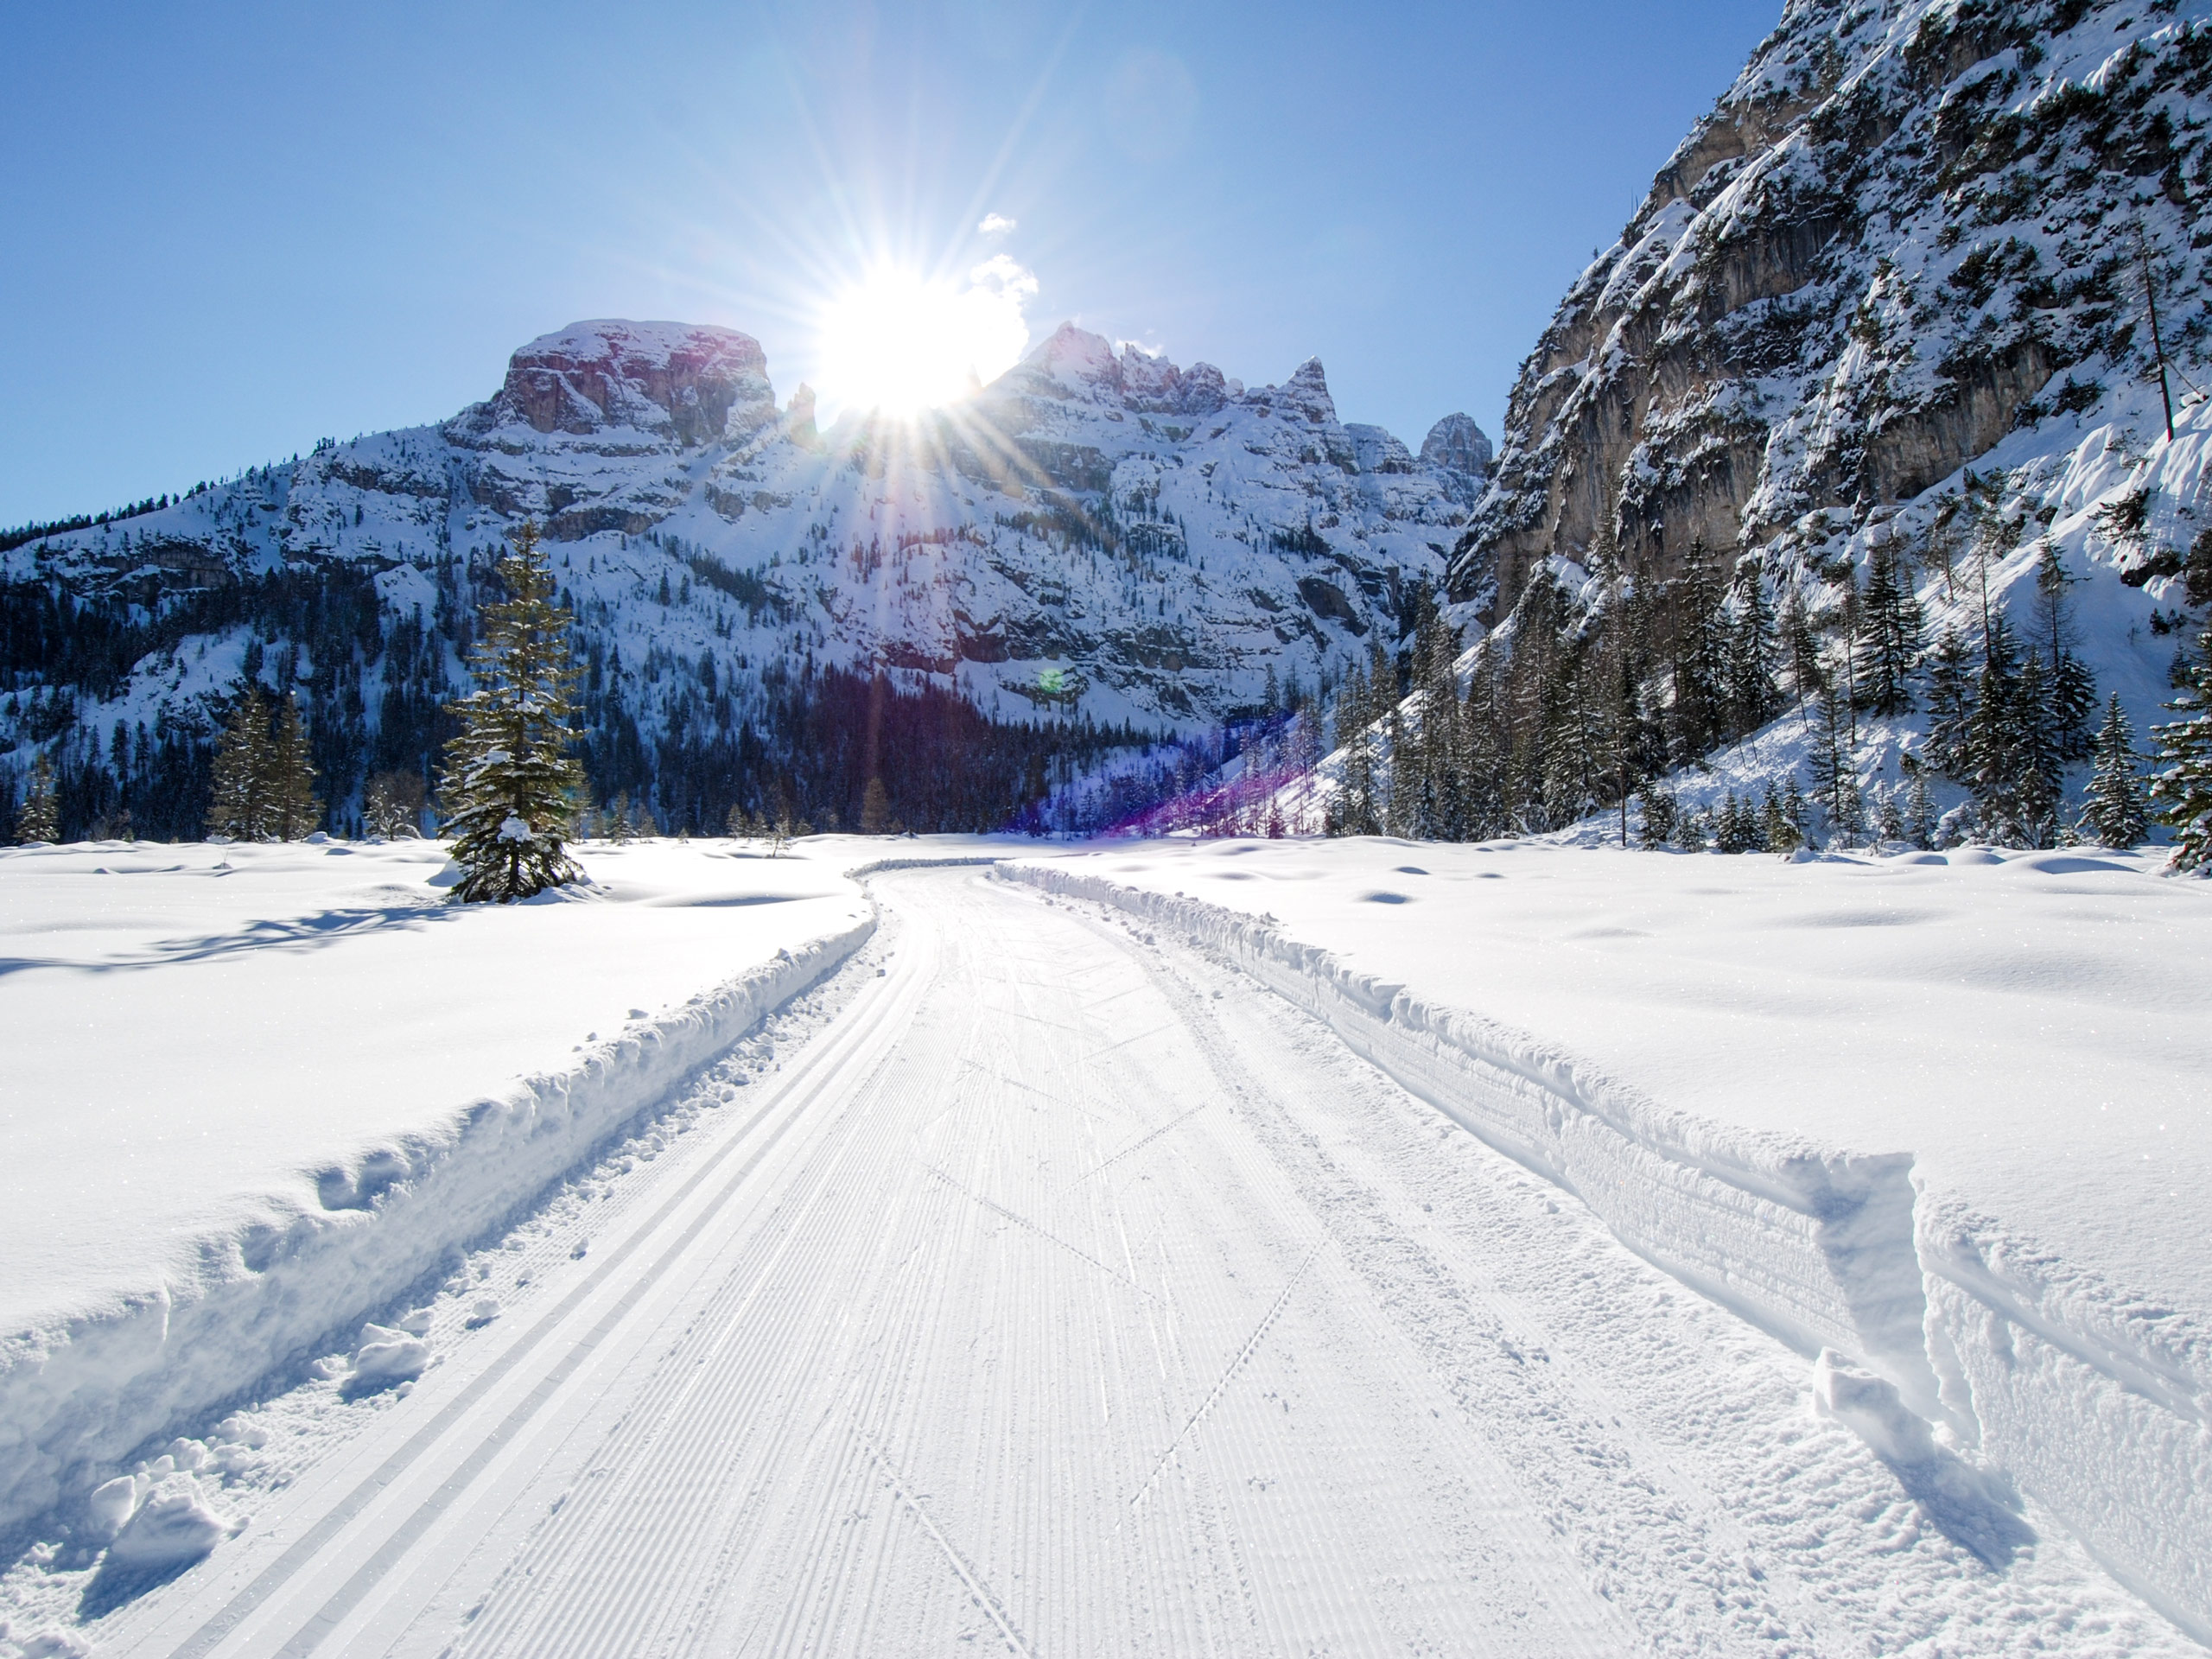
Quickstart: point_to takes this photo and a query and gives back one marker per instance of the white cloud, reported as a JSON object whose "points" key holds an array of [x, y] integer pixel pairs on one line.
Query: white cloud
{"points": [[995, 225]]}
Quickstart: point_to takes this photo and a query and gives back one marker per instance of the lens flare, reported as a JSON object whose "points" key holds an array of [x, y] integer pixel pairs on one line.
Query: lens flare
{"points": [[898, 343]]}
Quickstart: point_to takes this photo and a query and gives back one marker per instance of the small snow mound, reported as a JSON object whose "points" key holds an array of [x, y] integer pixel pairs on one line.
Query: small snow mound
{"points": [[387, 1354], [174, 1524], [416, 1322], [484, 1310]]}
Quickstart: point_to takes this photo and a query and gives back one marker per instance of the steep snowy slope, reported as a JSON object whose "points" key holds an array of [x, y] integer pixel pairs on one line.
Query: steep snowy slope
{"points": [[1897, 291], [1097, 538]]}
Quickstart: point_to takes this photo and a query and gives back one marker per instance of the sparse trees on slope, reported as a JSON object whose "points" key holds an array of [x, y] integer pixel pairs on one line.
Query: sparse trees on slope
{"points": [[508, 775], [2113, 813]]}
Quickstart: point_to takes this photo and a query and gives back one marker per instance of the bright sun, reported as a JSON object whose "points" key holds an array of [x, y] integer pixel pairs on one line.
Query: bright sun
{"points": [[898, 342]]}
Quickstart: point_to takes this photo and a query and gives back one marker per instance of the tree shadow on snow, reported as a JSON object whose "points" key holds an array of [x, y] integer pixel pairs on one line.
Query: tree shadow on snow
{"points": [[294, 933]]}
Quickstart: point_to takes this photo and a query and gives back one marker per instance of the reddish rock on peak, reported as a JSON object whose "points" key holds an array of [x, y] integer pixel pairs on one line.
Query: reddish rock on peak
{"points": [[702, 382]]}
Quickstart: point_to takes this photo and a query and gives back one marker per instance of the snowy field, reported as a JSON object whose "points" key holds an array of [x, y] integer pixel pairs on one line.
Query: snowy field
{"points": [[437, 1281], [219, 1058], [1944, 1112]]}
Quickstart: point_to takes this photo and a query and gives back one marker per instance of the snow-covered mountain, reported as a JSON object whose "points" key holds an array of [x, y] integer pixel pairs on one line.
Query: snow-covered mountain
{"points": [[1896, 290], [1097, 540]]}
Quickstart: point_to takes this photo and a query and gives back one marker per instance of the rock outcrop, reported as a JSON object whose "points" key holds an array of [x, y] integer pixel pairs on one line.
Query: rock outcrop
{"points": [[1906, 231]]}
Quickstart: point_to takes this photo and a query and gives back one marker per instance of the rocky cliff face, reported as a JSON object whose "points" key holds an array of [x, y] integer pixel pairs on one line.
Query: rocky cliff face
{"points": [[1910, 231], [1098, 534]]}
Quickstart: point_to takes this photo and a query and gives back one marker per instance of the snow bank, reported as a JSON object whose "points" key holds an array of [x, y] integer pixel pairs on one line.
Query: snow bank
{"points": [[2040, 1366], [250, 1106]]}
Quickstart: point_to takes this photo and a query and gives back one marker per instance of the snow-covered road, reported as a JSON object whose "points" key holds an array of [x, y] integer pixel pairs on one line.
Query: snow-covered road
{"points": [[1069, 1294]]}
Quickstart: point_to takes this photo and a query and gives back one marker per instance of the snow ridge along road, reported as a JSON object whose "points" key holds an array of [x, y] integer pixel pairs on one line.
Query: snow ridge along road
{"points": [[1052, 1220]]}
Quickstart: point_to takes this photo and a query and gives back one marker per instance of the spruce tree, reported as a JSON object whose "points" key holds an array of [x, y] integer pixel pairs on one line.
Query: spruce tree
{"points": [[2072, 687], [1753, 648], [508, 776], [2114, 811], [237, 805], [1993, 760], [1835, 782], [1919, 811], [2182, 788], [1800, 643], [1701, 704], [288, 791], [1888, 639], [1950, 707], [39, 818]]}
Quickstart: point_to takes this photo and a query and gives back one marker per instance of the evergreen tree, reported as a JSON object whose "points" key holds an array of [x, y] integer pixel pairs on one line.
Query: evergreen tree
{"points": [[1661, 816], [39, 818], [1888, 637], [1801, 644], [392, 805], [2182, 789], [1994, 759], [289, 792], [1355, 813], [238, 804], [2114, 811], [1919, 811], [1778, 831], [875, 803], [508, 774], [1834, 783], [1700, 710], [1754, 645], [1950, 707], [2073, 687]]}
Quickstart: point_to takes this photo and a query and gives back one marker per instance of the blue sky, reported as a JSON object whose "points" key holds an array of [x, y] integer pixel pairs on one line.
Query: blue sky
{"points": [[233, 229]]}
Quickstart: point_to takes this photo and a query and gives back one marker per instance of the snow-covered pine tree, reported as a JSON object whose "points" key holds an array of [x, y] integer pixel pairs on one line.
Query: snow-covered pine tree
{"points": [[2182, 787], [2112, 814], [508, 775], [1801, 644], [1828, 755], [1888, 640], [238, 804], [289, 792], [1356, 814], [1950, 707], [1661, 816], [1777, 828], [2072, 688], [39, 818], [1919, 811], [1699, 710], [1754, 645], [1994, 763]]}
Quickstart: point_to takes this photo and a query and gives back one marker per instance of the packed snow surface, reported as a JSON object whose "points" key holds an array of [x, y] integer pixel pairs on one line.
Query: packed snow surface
{"points": [[241, 1031], [2035, 1029], [1067, 1291]]}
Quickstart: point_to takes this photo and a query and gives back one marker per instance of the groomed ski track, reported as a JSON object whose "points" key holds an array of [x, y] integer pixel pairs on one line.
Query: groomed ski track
{"points": [[1070, 1294]]}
